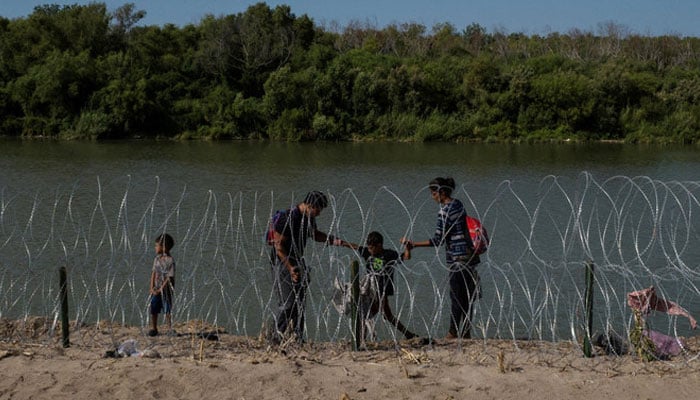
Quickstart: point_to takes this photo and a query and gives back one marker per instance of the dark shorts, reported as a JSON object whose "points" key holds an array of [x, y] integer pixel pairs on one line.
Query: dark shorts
{"points": [[386, 286], [161, 303]]}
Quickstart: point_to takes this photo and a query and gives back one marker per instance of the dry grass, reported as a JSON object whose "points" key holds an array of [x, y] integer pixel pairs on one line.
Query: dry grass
{"points": [[205, 343]]}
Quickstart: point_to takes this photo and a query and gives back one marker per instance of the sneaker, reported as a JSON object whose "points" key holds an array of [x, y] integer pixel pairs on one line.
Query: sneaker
{"points": [[152, 332]]}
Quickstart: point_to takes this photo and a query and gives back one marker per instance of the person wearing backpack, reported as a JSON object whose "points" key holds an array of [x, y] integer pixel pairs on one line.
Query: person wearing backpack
{"points": [[290, 232], [462, 260]]}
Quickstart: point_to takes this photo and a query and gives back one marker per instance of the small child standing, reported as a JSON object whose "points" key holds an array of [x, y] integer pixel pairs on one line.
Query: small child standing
{"points": [[162, 283]]}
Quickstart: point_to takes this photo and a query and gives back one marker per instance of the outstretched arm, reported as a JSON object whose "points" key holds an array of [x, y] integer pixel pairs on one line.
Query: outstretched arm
{"points": [[411, 244], [330, 239], [349, 245]]}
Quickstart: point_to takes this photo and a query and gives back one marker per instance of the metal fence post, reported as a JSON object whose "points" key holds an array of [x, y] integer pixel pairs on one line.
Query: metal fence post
{"points": [[587, 345], [65, 328]]}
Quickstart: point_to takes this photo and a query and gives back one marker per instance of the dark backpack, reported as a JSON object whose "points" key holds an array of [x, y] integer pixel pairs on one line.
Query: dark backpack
{"points": [[270, 234], [480, 238]]}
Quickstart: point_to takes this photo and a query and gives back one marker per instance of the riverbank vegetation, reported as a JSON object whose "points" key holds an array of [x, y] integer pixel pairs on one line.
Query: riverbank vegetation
{"points": [[83, 71]]}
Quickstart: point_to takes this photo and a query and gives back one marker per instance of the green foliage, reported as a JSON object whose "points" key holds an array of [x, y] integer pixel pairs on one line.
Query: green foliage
{"points": [[289, 126], [81, 71], [219, 120], [398, 126], [248, 116], [55, 90], [92, 125], [325, 127], [440, 127], [683, 126]]}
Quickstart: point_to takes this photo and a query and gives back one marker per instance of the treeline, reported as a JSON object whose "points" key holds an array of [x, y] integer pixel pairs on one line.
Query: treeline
{"points": [[83, 71]]}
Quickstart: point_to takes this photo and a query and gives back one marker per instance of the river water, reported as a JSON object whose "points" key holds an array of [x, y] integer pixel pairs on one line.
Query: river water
{"points": [[632, 211]]}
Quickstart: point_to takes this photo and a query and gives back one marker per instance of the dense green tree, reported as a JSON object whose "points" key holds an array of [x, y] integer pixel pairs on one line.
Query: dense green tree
{"points": [[82, 71], [53, 93]]}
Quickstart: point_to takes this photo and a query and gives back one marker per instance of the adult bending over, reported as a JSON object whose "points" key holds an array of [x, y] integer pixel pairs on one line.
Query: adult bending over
{"points": [[291, 232]]}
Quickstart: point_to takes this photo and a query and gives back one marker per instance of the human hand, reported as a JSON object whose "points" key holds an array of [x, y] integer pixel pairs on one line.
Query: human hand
{"points": [[294, 273], [406, 242]]}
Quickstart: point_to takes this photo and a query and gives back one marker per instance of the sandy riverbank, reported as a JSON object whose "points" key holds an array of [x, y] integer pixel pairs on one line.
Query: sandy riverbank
{"points": [[187, 366]]}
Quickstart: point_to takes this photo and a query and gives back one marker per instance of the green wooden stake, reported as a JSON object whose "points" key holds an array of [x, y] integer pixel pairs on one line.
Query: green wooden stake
{"points": [[65, 328], [587, 345], [356, 320]]}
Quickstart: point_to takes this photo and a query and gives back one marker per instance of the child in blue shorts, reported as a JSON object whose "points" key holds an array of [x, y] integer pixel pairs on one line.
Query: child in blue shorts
{"points": [[162, 283]]}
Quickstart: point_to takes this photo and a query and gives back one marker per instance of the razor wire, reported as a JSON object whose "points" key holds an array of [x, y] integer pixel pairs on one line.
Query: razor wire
{"points": [[636, 231]]}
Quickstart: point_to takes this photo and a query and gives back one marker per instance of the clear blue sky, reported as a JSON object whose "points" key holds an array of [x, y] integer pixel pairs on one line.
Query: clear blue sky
{"points": [[645, 17]]}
